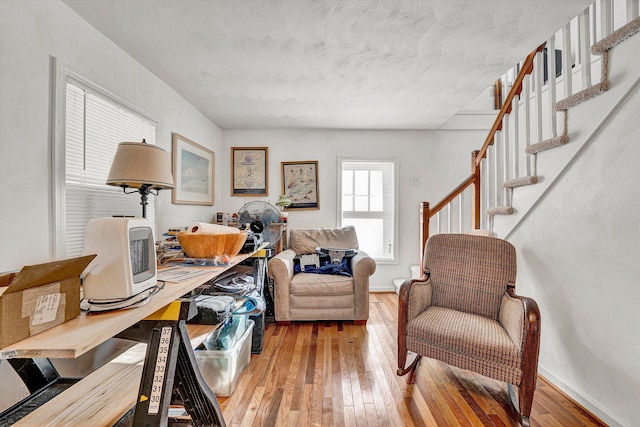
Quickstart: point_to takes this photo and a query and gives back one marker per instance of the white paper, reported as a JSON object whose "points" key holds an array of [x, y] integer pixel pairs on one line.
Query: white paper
{"points": [[179, 274], [207, 228], [46, 309]]}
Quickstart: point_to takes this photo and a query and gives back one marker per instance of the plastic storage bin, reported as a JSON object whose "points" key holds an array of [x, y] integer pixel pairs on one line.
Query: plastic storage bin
{"points": [[222, 368]]}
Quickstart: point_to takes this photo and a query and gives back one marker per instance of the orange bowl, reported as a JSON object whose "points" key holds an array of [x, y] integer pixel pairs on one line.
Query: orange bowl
{"points": [[204, 245]]}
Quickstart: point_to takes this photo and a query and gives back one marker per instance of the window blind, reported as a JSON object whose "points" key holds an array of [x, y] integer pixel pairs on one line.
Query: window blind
{"points": [[368, 203], [94, 126]]}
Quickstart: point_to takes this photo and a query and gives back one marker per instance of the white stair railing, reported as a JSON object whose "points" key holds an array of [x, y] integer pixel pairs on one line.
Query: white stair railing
{"points": [[565, 67], [530, 123]]}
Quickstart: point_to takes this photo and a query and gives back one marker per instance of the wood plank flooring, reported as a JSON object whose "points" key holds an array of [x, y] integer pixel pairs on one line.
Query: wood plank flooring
{"points": [[340, 374]]}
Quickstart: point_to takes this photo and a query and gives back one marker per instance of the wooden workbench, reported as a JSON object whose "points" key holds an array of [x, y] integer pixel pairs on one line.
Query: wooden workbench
{"points": [[77, 336], [92, 394]]}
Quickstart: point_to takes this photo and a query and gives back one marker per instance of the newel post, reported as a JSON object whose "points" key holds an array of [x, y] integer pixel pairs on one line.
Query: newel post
{"points": [[424, 228], [475, 168], [497, 89]]}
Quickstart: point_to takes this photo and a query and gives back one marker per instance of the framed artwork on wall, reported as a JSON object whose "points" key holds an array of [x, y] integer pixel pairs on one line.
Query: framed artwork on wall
{"points": [[249, 166], [300, 184], [193, 172]]}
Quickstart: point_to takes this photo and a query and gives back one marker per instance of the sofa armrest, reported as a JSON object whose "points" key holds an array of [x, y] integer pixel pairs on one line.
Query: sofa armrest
{"points": [[512, 318], [414, 297], [520, 316], [281, 269], [281, 265], [362, 267]]}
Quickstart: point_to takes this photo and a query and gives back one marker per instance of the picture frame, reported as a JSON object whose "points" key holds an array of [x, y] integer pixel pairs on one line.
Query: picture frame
{"points": [[249, 167], [193, 172], [300, 184]]}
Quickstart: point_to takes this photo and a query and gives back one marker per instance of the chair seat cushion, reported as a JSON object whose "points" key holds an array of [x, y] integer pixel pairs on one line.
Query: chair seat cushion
{"points": [[321, 284], [468, 341]]}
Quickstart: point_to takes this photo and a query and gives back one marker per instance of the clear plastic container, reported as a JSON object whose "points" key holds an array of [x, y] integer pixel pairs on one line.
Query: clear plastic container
{"points": [[222, 368]]}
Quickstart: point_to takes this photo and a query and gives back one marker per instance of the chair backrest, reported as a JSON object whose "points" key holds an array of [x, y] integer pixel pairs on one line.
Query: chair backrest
{"points": [[470, 273], [306, 241]]}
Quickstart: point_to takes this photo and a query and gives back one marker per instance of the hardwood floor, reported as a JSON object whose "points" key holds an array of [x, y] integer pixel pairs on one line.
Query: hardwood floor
{"points": [[339, 374]]}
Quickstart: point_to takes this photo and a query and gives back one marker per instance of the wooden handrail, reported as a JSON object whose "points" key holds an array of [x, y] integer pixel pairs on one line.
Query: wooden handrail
{"points": [[527, 67], [426, 213], [477, 156], [452, 195]]}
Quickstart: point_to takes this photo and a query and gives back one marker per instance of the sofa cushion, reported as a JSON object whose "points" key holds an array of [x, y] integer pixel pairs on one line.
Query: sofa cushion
{"points": [[321, 284], [306, 241], [465, 340]]}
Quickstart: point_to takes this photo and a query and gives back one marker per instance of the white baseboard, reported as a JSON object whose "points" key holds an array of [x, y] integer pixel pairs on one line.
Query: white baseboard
{"points": [[586, 401], [396, 285], [381, 288]]}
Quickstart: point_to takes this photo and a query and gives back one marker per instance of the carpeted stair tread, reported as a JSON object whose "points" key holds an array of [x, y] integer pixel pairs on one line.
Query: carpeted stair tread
{"points": [[602, 48], [521, 182], [582, 96], [500, 210], [547, 144], [616, 37]]}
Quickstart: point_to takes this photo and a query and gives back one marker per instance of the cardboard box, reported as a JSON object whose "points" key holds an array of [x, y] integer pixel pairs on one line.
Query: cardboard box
{"points": [[40, 297]]}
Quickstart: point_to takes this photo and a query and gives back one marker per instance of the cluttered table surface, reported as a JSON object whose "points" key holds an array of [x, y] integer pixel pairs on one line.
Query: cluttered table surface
{"points": [[79, 335]]}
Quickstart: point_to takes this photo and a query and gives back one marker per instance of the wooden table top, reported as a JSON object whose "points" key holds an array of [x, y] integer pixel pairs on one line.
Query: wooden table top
{"points": [[77, 336]]}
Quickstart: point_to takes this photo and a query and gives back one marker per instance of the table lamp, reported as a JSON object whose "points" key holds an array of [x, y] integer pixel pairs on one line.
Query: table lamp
{"points": [[283, 203], [142, 167]]}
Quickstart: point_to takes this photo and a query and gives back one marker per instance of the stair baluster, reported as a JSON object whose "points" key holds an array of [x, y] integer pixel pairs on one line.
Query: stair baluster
{"points": [[529, 112]]}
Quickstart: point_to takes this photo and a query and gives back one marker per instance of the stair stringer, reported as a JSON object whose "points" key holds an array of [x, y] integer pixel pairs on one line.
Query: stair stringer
{"points": [[624, 74]]}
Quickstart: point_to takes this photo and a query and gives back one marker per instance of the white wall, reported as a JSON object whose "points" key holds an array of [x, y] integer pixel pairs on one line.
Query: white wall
{"points": [[579, 252], [579, 257], [440, 159], [31, 31]]}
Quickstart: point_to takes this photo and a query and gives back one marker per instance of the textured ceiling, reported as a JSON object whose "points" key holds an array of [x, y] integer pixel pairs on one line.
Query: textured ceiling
{"points": [[350, 64]]}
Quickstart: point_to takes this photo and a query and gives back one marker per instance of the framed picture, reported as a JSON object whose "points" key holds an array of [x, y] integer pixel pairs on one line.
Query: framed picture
{"points": [[249, 171], [193, 172], [300, 184]]}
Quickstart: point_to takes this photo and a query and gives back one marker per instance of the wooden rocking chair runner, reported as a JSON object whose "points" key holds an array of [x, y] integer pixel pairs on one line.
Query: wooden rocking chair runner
{"points": [[464, 312]]}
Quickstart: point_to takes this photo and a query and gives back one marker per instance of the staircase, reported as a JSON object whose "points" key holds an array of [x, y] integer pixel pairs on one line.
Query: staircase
{"points": [[532, 141]]}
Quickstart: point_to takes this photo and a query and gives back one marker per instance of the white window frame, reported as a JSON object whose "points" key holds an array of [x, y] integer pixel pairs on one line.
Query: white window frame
{"points": [[57, 135], [393, 222]]}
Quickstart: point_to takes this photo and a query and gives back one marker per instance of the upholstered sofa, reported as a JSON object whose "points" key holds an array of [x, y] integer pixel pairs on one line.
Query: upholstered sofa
{"points": [[311, 296]]}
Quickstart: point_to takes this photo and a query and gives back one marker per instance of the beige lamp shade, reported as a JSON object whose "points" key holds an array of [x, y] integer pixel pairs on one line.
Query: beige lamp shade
{"points": [[138, 163]]}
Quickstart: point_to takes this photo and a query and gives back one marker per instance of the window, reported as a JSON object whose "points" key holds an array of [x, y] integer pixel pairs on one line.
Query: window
{"points": [[368, 202], [94, 126]]}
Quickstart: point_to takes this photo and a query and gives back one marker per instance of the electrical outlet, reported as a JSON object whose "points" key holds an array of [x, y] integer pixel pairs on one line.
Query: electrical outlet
{"points": [[414, 180]]}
